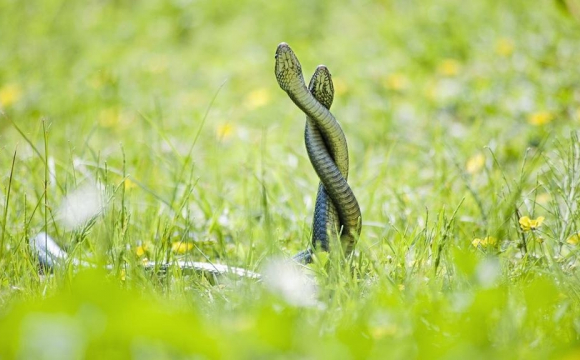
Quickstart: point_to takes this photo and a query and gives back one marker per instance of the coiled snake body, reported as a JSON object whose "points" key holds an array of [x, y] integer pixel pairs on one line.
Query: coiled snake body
{"points": [[327, 150]]}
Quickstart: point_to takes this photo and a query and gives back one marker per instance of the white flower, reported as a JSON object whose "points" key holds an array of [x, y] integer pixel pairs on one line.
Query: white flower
{"points": [[80, 205], [289, 280]]}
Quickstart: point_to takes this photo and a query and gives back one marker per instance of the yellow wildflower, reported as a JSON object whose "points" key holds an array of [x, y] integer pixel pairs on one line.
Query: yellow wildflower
{"points": [[9, 94], [340, 86], [396, 82], [431, 91], [486, 241], [475, 163], [96, 82], [143, 248], [573, 239], [449, 67], [129, 184], [225, 131], [109, 118], [158, 65], [140, 250], [257, 98], [543, 198], [181, 247], [490, 240], [528, 224], [380, 332], [540, 118], [504, 47], [192, 98]]}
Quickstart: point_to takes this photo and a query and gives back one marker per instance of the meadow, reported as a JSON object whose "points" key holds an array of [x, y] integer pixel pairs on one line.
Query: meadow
{"points": [[156, 131]]}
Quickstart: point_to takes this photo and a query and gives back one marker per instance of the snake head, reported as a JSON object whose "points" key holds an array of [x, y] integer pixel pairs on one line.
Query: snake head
{"points": [[287, 67], [321, 86]]}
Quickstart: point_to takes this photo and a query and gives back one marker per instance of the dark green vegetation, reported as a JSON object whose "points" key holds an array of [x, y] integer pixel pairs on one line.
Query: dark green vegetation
{"points": [[460, 118]]}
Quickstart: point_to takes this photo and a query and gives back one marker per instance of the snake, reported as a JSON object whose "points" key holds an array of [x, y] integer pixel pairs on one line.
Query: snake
{"points": [[50, 255], [336, 209], [325, 222], [326, 147]]}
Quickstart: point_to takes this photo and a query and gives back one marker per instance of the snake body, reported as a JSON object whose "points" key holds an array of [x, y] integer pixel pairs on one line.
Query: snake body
{"points": [[325, 222], [326, 147], [49, 255]]}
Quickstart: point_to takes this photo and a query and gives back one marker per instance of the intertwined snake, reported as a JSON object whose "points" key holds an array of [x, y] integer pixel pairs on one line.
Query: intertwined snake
{"points": [[327, 150], [336, 210]]}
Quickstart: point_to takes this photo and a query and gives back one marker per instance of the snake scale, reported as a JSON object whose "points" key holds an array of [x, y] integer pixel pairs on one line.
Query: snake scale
{"points": [[336, 210]]}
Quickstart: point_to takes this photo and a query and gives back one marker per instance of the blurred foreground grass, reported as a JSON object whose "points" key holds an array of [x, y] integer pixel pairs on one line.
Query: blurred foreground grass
{"points": [[165, 118]]}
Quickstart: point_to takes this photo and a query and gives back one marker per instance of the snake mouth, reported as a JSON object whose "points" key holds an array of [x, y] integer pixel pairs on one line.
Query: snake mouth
{"points": [[282, 47]]}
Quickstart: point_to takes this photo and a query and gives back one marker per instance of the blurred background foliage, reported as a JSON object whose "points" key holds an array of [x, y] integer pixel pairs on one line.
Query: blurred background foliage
{"points": [[456, 114]]}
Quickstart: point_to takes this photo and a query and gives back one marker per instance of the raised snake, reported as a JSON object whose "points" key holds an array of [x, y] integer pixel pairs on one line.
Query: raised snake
{"points": [[336, 210], [326, 147]]}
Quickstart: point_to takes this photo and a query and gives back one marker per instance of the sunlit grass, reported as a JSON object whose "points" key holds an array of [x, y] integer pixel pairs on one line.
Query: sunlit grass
{"points": [[155, 131]]}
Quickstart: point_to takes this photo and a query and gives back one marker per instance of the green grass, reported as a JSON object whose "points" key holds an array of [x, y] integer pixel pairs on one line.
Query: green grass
{"points": [[461, 118]]}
